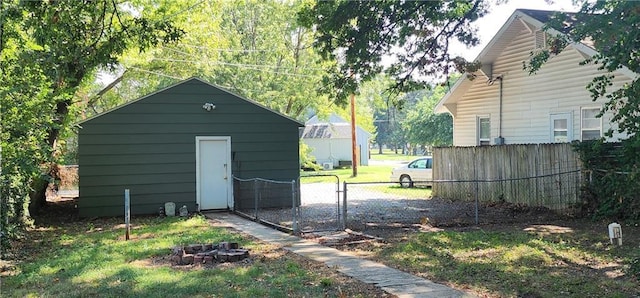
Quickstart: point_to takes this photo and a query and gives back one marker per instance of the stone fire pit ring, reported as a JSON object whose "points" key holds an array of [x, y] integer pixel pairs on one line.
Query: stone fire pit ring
{"points": [[208, 253]]}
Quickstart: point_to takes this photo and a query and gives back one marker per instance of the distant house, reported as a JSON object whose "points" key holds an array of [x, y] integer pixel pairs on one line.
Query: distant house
{"points": [[503, 104], [184, 144], [331, 141]]}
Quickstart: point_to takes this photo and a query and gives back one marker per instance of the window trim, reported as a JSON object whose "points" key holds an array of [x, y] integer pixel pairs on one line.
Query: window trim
{"points": [[582, 129], [557, 116], [478, 133]]}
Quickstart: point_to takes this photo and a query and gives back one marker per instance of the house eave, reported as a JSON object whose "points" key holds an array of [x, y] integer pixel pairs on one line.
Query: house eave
{"points": [[492, 50], [454, 95]]}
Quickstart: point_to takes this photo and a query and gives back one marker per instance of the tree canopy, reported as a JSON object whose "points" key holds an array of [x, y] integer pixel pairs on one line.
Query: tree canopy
{"points": [[252, 48], [407, 39], [48, 50]]}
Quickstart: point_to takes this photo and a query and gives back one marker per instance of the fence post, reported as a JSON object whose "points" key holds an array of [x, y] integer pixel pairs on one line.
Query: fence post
{"points": [[293, 207], [475, 174], [344, 206], [337, 202], [255, 199]]}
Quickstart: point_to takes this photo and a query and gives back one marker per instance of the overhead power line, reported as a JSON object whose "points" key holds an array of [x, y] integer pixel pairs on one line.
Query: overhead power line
{"points": [[247, 66]]}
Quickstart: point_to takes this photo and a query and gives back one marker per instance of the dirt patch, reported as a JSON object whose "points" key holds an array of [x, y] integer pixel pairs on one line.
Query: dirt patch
{"points": [[339, 238]]}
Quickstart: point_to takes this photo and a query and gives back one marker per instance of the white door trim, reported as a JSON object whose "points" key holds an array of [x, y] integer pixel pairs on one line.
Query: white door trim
{"points": [[227, 139]]}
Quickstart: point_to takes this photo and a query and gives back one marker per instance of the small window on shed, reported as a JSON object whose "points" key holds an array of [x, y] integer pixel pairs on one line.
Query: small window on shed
{"points": [[540, 40]]}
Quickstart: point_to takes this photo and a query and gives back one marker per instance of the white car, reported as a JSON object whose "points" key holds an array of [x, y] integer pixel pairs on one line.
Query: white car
{"points": [[418, 171]]}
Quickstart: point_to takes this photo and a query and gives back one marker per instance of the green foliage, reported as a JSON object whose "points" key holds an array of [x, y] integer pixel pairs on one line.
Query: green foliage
{"points": [[83, 259], [252, 48], [407, 118], [512, 262], [612, 187], [424, 127], [382, 106], [48, 49], [416, 34], [634, 268], [307, 162]]}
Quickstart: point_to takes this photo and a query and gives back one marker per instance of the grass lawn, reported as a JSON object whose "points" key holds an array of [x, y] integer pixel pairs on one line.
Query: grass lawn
{"points": [[388, 154], [569, 259], [365, 174], [90, 258], [371, 173]]}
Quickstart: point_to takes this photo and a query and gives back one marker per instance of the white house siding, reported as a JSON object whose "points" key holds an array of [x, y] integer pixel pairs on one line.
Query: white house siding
{"points": [[330, 150], [529, 100], [321, 149], [362, 139], [336, 146]]}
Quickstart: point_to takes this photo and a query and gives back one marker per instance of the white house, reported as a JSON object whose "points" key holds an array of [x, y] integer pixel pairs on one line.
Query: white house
{"points": [[503, 104], [331, 141]]}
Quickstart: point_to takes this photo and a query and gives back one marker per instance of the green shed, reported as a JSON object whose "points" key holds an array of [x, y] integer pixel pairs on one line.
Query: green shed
{"points": [[184, 144]]}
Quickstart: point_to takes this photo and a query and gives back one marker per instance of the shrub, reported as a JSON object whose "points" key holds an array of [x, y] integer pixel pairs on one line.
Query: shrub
{"points": [[611, 188], [307, 161]]}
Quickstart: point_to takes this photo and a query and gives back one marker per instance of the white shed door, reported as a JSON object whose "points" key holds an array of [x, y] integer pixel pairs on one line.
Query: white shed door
{"points": [[213, 179]]}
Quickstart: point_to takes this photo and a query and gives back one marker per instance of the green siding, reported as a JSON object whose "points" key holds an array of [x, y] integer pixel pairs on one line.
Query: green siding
{"points": [[184, 128], [148, 146]]}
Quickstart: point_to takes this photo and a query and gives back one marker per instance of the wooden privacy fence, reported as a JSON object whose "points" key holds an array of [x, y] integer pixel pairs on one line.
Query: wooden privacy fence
{"points": [[547, 175]]}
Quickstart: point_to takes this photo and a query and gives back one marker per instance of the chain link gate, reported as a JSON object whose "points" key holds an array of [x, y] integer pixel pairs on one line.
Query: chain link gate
{"points": [[320, 204]]}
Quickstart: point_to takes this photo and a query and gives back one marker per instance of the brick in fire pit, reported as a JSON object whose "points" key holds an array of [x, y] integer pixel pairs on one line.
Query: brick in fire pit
{"points": [[187, 259], [188, 249], [197, 259]]}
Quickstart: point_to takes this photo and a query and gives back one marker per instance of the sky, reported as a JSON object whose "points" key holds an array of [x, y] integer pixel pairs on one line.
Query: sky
{"points": [[489, 25]]}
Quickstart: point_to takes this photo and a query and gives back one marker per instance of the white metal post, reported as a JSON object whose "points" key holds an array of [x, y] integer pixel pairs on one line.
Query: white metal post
{"points": [[127, 213]]}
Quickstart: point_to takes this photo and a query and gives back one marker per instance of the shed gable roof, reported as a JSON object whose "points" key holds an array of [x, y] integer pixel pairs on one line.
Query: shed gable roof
{"points": [[327, 131], [335, 127], [531, 20], [196, 80]]}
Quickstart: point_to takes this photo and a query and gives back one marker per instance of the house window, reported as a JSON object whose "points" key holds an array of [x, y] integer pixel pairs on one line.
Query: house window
{"points": [[561, 128], [591, 128], [484, 131]]}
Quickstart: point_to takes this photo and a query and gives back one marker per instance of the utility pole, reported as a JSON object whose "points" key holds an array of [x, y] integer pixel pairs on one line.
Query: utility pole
{"points": [[354, 144]]}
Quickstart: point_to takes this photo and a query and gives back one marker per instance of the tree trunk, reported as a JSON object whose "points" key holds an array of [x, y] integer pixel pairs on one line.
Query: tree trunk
{"points": [[379, 148], [38, 196]]}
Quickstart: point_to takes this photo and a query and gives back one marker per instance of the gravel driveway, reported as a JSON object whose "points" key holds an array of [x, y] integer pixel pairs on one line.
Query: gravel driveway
{"points": [[385, 205], [376, 205]]}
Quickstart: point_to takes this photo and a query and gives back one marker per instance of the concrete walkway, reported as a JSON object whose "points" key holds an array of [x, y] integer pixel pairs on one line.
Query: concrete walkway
{"points": [[391, 280]]}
